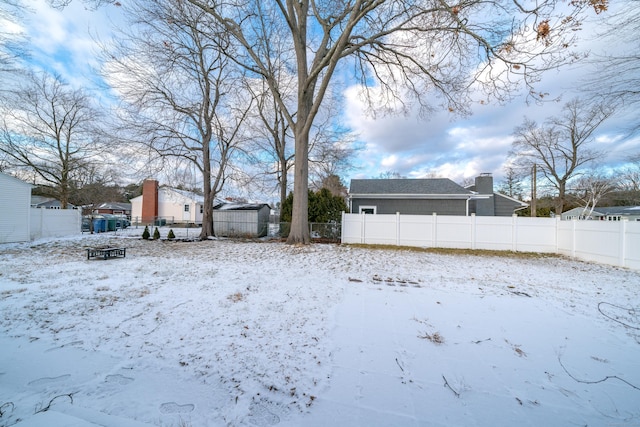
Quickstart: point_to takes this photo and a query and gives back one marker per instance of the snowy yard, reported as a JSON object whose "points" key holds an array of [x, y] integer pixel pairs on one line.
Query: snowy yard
{"points": [[233, 333]]}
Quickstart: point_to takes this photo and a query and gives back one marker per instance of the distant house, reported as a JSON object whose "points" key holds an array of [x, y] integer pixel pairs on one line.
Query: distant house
{"points": [[427, 196], [114, 208], [241, 219], [15, 199], [43, 202], [166, 205], [614, 213]]}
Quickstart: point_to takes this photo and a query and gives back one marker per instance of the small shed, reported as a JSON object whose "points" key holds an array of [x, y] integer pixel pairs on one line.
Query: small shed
{"points": [[15, 202], [241, 219]]}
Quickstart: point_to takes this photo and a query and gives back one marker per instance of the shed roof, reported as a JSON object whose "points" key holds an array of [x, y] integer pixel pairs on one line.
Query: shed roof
{"points": [[241, 206]]}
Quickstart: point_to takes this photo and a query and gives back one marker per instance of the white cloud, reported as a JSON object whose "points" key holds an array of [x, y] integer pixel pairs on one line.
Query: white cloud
{"points": [[462, 148]]}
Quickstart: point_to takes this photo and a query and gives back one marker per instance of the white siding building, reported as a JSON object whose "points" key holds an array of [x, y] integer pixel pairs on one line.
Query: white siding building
{"points": [[15, 209], [173, 206]]}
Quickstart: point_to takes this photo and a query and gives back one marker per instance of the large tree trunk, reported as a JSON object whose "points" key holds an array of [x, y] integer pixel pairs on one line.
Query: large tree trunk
{"points": [[207, 210], [283, 182], [561, 195], [299, 233]]}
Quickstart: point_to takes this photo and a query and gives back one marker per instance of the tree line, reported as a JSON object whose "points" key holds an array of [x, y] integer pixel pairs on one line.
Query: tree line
{"points": [[249, 91]]}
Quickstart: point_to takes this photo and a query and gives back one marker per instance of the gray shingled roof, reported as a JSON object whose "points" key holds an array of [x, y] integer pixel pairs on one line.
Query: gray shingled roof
{"points": [[406, 186], [618, 210]]}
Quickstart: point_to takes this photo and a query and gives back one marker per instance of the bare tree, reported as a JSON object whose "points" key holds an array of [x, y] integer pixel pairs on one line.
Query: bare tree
{"points": [[560, 146], [422, 47], [590, 188], [49, 129], [512, 184], [331, 148], [181, 95], [11, 37], [616, 73], [389, 175], [630, 179], [273, 138]]}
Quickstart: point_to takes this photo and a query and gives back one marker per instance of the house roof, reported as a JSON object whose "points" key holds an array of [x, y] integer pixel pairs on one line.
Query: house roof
{"points": [[511, 199], [619, 210], [608, 210], [47, 202], [115, 205], [184, 193], [193, 197], [428, 186]]}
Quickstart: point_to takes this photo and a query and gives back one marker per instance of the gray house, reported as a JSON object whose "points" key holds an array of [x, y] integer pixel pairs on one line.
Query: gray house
{"points": [[42, 202], [241, 219], [613, 213], [427, 196]]}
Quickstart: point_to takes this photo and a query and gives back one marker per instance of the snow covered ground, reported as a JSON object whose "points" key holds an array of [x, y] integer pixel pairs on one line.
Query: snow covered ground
{"points": [[223, 332]]}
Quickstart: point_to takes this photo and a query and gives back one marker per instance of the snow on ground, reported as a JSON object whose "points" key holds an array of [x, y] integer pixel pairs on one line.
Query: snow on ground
{"points": [[225, 332]]}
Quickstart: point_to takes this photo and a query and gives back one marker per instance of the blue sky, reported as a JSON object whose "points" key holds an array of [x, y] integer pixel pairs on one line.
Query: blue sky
{"points": [[65, 41]]}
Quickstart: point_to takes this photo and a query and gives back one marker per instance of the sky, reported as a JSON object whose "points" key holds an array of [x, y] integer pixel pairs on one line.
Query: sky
{"points": [[226, 333], [441, 145]]}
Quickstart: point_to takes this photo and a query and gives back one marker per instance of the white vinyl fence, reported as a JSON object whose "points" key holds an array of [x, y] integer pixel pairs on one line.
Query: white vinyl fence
{"points": [[54, 223], [608, 242]]}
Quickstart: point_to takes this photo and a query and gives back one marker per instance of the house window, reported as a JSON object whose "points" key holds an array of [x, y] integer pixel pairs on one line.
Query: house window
{"points": [[186, 208], [371, 210], [201, 209]]}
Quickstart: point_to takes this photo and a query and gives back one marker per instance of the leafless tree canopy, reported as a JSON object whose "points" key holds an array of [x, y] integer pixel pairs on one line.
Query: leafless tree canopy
{"points": [[590, 188], [424, 48], [11, 42], [182, 96], [48, 130], [560, 146], [617, 74]]}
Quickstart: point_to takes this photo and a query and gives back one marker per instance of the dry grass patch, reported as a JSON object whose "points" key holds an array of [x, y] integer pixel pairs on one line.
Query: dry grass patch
{"points": [[237, 297], [435, 338], [451, 251]]}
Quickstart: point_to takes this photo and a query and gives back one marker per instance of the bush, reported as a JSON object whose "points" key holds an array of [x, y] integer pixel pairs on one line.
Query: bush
{"points": [[323, 207], [171, 236], [156, 234], [145, 233]]}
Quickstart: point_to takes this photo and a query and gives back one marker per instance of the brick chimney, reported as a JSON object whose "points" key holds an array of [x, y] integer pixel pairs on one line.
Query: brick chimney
{"points": [[484, 185], [149, 200]]}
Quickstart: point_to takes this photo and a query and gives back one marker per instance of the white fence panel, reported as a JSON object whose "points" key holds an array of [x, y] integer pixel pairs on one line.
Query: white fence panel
{"points": [[494, 233], [454, 232], [614, 243], [536, 234], [54, 223], [417, 230], [352, 229], [597, 241], [631, 245], [380, 229]]}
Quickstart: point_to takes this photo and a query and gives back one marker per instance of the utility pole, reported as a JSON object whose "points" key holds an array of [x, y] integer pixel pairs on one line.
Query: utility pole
{"points": [[533, 191]]}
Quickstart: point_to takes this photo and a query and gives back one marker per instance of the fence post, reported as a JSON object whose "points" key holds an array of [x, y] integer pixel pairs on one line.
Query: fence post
{"points": [[514, 233], [473, 231], [363, 229], [573, 237], [623, 241], [434, 230], [397, 228]]}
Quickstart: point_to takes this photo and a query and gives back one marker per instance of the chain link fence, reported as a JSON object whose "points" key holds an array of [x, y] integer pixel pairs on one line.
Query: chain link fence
{"points": [[325, 232]]}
